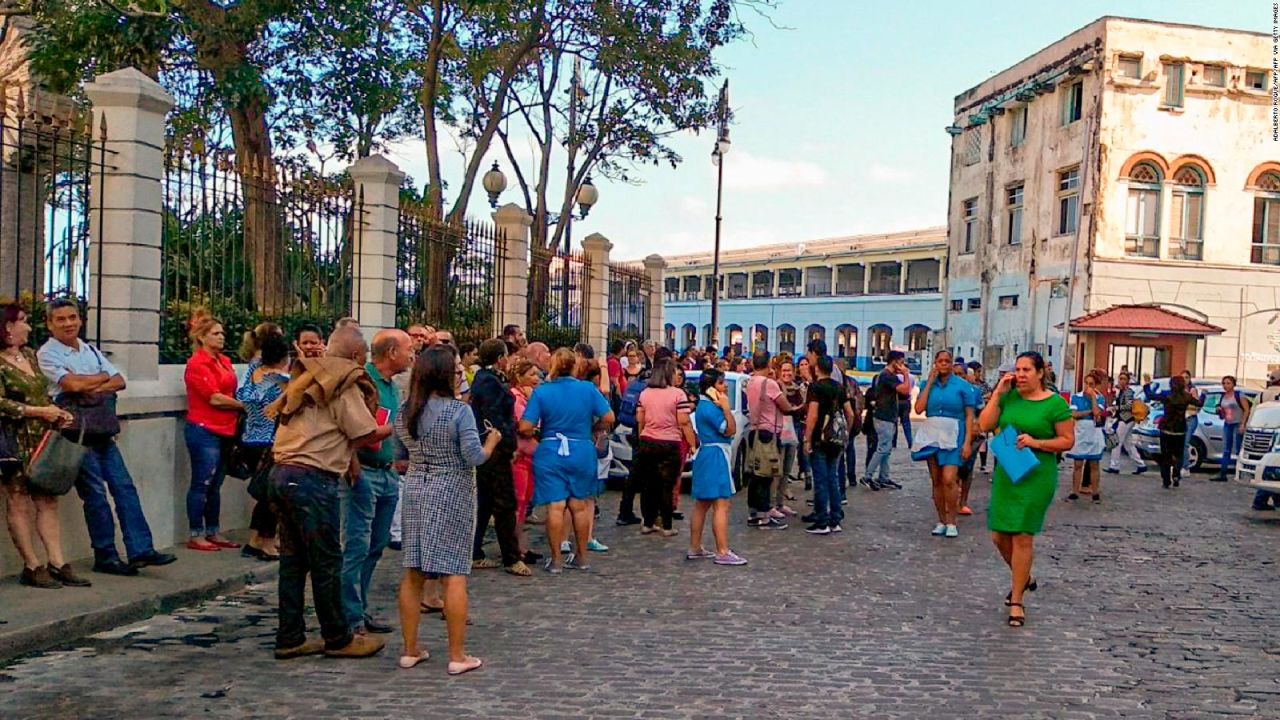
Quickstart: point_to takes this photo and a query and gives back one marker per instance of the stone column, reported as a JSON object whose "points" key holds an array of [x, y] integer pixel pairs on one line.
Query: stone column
{"points": [[902, 278], [655, 267], [124, 293], [377, 180], [595, 328], [514, 222]]}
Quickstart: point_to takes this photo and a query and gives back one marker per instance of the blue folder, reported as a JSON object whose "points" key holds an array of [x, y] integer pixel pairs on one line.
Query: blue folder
{"points": [[1017, 464]]}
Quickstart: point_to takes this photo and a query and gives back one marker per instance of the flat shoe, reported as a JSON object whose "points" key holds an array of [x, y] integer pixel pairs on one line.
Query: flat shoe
{"points": [[519, 569], [228, 544], [409, 661], [466, 666]]}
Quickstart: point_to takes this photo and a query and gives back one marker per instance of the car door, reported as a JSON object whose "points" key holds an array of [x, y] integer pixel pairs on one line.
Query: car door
{"points": [[1210, 430]]}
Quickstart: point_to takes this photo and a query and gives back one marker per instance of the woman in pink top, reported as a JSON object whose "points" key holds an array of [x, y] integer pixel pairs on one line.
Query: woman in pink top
{"points": [[524, 376], [662, 420]]}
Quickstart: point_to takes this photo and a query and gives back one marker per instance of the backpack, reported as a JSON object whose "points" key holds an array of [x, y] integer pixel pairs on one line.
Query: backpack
{"points": [[835, 431], [1140, 411], [630, 401]]}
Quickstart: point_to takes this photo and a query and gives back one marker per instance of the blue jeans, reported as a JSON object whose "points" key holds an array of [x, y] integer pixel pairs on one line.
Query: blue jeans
{"points": [[846, 468], [886, 430], [826, 489], [904, 417], [1193, 422], [204, 496], [1230, 438], [367, 510], [103, 470]]}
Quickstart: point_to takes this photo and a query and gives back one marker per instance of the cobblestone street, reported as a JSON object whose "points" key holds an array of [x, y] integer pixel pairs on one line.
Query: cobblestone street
{"points": [[1155, 604]]}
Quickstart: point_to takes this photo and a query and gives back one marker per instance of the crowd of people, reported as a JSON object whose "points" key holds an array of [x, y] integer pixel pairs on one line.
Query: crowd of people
{"points": [[414, 442]]}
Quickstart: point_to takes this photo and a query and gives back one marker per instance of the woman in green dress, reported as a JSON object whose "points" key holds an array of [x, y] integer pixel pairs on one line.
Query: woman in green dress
{"points": [[1043, 422], [26, 413]]}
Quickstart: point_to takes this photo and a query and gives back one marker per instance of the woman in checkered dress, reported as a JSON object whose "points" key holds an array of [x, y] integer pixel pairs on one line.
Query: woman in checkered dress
{"points": [[439, 516]]}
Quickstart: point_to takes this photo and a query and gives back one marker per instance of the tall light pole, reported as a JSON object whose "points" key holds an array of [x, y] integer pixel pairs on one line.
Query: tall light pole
{"points": [[717, 158]]}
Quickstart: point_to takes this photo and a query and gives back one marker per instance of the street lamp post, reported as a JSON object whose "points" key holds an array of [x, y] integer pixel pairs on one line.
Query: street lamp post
{"points": [[717, 159]]}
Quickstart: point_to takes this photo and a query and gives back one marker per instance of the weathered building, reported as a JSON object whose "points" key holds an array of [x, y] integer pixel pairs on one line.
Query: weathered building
{"points": [[1130, 163]]}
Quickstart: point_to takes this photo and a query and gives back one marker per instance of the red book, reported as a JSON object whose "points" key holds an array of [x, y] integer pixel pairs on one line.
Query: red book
{"points": [[381, 418]]}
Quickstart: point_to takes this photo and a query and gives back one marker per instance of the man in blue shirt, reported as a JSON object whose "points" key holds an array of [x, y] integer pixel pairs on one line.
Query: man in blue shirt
{"points": [[80, 377], [369, 503]]}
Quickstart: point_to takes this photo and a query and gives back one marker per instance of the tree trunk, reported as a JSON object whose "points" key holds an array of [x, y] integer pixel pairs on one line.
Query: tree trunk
{"points": [[263, 246]]}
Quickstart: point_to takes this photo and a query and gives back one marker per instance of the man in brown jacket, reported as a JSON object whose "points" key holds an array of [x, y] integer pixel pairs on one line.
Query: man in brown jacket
{"points": [[325, 413]]}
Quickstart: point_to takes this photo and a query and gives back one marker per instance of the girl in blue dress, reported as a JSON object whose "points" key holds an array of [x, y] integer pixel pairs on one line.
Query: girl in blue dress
{"points": [[1087, 408], [715, 426], [945, 440], [565, 411]]}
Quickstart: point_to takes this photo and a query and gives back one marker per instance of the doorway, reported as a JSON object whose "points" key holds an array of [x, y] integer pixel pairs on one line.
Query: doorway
{"points": [[1141, 360]]}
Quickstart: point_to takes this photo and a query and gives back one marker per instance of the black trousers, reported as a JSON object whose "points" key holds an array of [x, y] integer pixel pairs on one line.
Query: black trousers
{"points": [[496, 498], [310, 544], [658, 466], [263, 520], [1171, 447]]}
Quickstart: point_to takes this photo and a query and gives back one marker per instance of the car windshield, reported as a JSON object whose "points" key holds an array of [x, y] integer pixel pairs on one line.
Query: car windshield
{"points": [[1265, 417]]}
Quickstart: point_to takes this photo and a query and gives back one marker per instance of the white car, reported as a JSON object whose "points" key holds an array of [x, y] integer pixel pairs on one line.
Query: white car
{"points": [[736, 382], [1259, 461]]}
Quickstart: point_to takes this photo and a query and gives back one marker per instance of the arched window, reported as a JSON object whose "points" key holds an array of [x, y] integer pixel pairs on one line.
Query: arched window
{"points": [[760, 338], [1142, 219], [689, 336], [881, 343], [1266, 218], [1187, 239], [787, 338], [735, 337], [814, 332], [917, 338], [846, 341], [669, 335]]}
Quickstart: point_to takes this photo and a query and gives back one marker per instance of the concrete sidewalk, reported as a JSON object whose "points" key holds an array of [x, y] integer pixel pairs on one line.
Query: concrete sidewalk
{"points": [[43, 619]]}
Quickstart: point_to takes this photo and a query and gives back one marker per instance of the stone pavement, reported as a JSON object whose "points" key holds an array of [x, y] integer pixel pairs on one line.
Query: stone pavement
{"points": [[1154, 604]]}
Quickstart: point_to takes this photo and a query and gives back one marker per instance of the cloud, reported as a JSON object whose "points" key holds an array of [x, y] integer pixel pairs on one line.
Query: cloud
{"points": [[746, 171], [882, 173]]}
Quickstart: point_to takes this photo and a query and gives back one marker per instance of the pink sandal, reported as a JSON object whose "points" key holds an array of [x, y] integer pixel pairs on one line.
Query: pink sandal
{"points": [[410, 661], [466, 666]]}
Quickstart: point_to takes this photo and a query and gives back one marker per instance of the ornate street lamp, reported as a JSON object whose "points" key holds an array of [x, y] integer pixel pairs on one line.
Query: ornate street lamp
{"points": [[586, 197], [717, 158], [494, 183]]}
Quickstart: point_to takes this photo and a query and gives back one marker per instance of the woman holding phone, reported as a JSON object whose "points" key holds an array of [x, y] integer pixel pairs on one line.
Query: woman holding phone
{"points": [[1042, 420]]}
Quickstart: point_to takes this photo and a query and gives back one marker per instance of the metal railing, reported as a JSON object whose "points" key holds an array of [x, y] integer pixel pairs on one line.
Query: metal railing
{"points": [[449, 275], [251, 241], [628, 302], [51, 167], [558, 283]]}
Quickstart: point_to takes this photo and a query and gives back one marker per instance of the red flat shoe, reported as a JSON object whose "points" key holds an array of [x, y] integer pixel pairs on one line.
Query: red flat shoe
{"points": [[228, 544], [965, 510], [202, 546]]}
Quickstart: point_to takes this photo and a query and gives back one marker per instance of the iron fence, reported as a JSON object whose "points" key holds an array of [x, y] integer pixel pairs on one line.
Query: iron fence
{"points": [[628, 302], [51, 166], [558, 285], [449, 275], [252, 241]]}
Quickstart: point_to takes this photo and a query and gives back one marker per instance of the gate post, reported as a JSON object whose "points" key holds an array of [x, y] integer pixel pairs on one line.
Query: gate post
{"points": [[377, 192], [595, 295], [125, 222], [513, 224], [654, 267]]}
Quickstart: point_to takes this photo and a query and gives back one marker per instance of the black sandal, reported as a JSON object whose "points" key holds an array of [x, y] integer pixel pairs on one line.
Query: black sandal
{"points": [[1015, 621], [1029, 587]]}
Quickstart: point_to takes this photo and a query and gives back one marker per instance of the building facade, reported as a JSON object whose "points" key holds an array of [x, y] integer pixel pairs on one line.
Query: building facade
{"points": [[865, 295], [1132, 163]]}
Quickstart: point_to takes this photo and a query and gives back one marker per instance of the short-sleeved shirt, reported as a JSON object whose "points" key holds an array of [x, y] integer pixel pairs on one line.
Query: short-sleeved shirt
{"points": [[831, 397], [767, 416], [1080, 403], [567, 406], [320, 437], [58, 360], [949, 399], [709, 423], [885, 394], [389, 400], [662, 407]]}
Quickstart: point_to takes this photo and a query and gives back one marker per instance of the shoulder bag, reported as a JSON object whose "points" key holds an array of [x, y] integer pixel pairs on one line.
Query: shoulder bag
{"points": [[55, 464]]}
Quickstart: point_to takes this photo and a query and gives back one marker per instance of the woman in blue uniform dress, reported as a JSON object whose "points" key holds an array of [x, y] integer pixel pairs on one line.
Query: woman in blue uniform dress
{"points": [[565, 411], [945, 440], [715, 425]]}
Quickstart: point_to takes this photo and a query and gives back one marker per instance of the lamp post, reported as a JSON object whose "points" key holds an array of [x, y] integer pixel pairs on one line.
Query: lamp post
{"points": [[585, 197], [717, 158]]}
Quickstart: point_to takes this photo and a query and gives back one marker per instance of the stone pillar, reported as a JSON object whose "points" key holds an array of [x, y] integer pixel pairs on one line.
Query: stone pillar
{"points": [[595, 328], [655, 267], [514, 222], [377, 180], [902, 278], [124, 293]]}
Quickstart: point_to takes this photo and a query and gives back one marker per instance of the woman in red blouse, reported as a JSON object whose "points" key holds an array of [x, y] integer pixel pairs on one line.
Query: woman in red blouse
{"points": [[212, 412]]}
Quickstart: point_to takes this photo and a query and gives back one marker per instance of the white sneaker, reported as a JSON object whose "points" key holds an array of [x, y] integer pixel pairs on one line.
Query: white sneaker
{"points": [[939, 529], [952, 531], [566, 546], [836, 529]]}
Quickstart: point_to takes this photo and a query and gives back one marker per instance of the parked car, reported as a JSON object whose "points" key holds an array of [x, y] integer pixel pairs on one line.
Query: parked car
{"points": [[1259, 464], [1206, 444], [736, 382]]}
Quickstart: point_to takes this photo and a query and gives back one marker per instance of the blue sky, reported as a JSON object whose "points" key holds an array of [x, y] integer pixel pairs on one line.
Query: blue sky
{"points": [[839, 118]]}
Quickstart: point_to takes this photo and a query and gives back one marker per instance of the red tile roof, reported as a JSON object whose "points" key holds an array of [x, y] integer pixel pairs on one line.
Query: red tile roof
{"points": [[1142, 318]]}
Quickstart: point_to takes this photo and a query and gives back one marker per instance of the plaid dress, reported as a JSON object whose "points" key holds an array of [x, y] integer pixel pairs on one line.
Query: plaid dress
{"points": [[438, 518]]}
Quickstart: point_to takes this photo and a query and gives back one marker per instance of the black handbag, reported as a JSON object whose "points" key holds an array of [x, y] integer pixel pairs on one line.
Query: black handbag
{"points": [[95, 413]]}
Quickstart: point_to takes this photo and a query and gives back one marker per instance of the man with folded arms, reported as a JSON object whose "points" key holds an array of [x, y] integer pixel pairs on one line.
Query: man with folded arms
{"points": [[326, 413]]}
